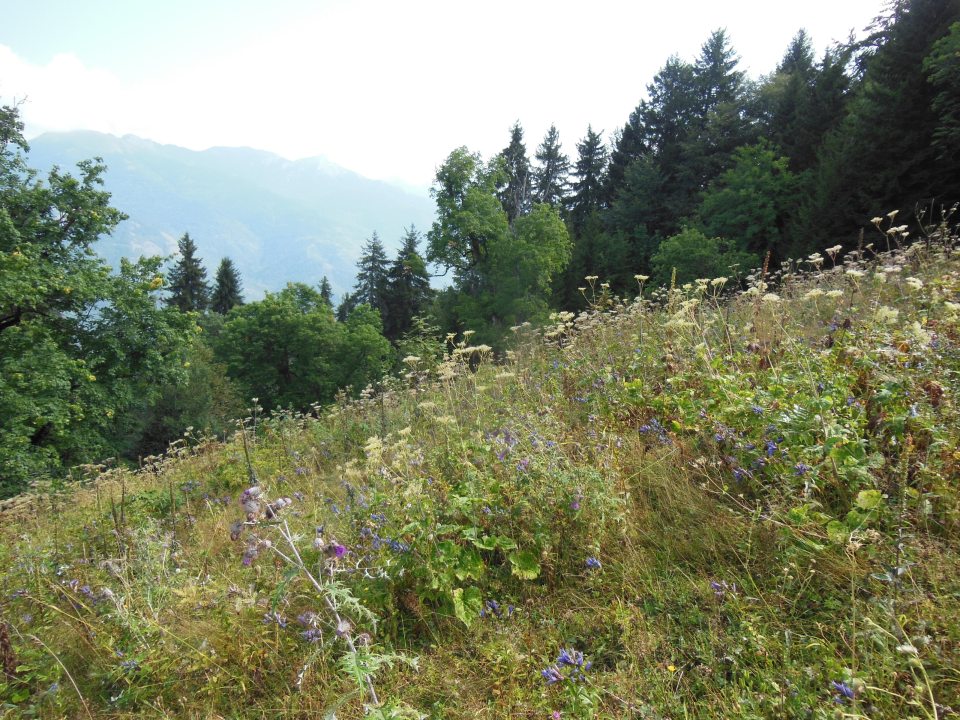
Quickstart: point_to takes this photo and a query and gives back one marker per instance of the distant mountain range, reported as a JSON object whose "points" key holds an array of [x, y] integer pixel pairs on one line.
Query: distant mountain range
{"points": [[278, 220]]}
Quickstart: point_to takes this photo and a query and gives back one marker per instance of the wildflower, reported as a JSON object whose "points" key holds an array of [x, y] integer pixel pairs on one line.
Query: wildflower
{"points": [[740, 474], [641, 278], [914, 283], [307, 619], [801, 469], [756, 409], [312, 635], [552, 675], [886, 315], [834, 293], [844, 691], [274, 617], [343, 628], [593, 563], [813, 294]]}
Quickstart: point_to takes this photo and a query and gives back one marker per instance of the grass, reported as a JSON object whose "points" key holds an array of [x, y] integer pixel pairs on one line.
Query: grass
{"points": [[764, 483]]}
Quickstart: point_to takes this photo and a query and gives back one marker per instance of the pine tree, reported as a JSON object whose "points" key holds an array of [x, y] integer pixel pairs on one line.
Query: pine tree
{"points": [[589, 177], [371, 285], [550, 177], [326, 291], [348, 303], [189, 291], [227, 291], [515, 196], [408, 290]]}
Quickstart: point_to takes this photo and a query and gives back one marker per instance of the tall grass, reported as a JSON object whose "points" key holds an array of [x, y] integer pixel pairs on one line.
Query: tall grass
{"points": [[698, 503]]}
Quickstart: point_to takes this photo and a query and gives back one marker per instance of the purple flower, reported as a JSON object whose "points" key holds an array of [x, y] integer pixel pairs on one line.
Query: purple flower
{"points": [[593, 563], [575, 505], [552, 675], [757, 410], [312, 635], [844, 691], [801, 469]]}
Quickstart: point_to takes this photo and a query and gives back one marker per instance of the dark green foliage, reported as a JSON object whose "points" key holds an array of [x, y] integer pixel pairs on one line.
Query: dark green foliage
{"points": [[228, 291], [187, 284], [371, 285], [942, 67], [408, 287], [550, 175], [884, 155], [502, 271], [326, 291], [693, 255], [288, 350], [347, 305], [749, 204], [588, 172], [516, 194], [206, 401], [79, 346]]}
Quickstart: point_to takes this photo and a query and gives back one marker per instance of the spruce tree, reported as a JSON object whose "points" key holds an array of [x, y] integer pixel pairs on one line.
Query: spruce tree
{"points": [[515, 196], [588, 172], [228, 291], [189, 291], [371, 285], [408, 290], [326, 291], [550, 176]]}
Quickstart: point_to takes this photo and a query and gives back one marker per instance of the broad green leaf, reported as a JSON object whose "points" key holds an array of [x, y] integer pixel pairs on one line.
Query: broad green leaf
{"points": [[524, 565]]}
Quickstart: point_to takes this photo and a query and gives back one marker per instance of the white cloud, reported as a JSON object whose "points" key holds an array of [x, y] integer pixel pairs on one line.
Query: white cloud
{"points": [[388, 88]]}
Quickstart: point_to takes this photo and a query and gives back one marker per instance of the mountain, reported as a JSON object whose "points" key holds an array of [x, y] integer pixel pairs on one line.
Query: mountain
{"points": [[278, 220]]}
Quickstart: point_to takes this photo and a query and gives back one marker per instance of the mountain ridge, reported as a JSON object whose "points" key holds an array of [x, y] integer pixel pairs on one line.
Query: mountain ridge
{"points": [[279, 220]]}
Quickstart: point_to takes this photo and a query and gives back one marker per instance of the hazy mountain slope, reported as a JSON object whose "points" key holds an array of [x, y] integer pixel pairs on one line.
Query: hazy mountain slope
{"points": [[279, 220]]}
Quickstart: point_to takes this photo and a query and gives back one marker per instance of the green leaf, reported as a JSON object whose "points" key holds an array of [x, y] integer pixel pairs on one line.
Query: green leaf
{"points": [[470, 565], [467, 604], [524, 565], [837, 532], [868, 499]]}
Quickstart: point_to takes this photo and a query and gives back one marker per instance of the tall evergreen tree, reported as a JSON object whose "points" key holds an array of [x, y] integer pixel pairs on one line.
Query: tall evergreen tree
{"points": [[589, 178], [516, 194], [348, 303], [408, 289], [227, 292], [883, 156], [722, 123], [371, 285], [189, 291], [326, 291], [550, 176]]}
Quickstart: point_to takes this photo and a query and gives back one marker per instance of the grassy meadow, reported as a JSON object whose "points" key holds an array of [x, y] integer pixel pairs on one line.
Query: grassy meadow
{"points": [[703, 503]]}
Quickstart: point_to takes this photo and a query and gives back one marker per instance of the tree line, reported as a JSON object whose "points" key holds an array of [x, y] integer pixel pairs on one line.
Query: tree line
{"points": [[710, 174]]}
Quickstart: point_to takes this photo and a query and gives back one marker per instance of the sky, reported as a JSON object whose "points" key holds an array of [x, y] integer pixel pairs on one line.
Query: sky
{"points": [[387, 88]]}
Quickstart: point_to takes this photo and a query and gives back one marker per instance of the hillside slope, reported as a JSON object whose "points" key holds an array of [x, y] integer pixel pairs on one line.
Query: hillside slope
{"points": [[279, 220], [692, 506]]}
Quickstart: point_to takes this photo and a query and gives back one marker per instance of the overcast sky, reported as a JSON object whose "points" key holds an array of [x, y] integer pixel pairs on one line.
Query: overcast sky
{"points": [[386, 88]]}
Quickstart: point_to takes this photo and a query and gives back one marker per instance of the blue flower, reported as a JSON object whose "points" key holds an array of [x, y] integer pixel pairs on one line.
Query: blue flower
{"points": [[552, 674], [844, 691], [593, 563], [801, 469]]}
